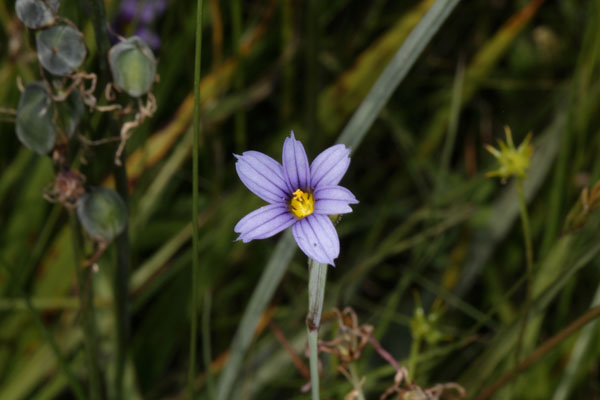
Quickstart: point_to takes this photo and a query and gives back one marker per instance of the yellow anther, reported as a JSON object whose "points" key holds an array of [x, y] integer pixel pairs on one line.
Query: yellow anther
{"points": [[302, 204]]}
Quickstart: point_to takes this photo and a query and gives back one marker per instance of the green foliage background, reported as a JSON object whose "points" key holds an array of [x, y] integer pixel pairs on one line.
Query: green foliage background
{"points": [[429, 225]]}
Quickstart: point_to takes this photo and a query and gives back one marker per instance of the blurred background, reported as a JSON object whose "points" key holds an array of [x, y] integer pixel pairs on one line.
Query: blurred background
{"points": [[432, 258]]}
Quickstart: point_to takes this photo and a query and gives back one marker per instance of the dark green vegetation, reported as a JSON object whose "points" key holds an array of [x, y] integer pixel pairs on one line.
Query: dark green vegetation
{"points": [[430, 229]]}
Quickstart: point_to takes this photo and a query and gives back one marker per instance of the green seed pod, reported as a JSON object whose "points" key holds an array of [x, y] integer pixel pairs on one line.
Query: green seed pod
{"points": [[36, 14], [70, 112], [35, 119], [102, 213], [61, 49], [133, 66]]}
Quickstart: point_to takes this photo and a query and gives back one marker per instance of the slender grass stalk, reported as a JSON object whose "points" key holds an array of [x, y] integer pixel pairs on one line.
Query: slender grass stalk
{"points": [[98, 15], [195, 211], [311, 87], [287, 84], [238, 80], [415, 349], [120, 285], [356, 383], [48, 337], [529, 260], [206, 346], [86, 298], [316, 294], [455, 105]]}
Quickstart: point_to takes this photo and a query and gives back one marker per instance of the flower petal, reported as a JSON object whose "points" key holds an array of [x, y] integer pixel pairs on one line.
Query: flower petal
{"points": [[317, 238], [333, 199], [264, 222], [262, 175], [330, 166], [295, 164]]}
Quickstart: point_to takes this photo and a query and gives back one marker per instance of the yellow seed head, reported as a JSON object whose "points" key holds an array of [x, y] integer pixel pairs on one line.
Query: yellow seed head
{"points": [[302, 204], [513, 161]]}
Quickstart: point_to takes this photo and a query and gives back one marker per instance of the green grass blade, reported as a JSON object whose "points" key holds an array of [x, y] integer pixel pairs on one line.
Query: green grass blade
{"points": [[195, 211]]}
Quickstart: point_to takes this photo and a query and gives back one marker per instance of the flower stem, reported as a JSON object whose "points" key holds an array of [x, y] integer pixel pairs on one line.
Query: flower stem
{"points": [[356, 383], [195, 211], [529, 260], [316, 294], [415, 347], [86, 299]]}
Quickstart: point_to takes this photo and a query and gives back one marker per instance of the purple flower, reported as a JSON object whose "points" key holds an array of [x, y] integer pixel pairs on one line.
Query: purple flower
{"points": [[299, 195]]}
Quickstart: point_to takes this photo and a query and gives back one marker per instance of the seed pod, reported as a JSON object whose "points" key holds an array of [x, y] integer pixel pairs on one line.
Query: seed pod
{"points": [[133, 66], [102, 213], [36, 14], [35, 119], [61, 49], [70, 112]]}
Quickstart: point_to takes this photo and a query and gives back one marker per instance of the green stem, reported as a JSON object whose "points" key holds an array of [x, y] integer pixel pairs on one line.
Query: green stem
{"points": [[121, 275], [121, 288], [356, 383], [206, 346], [287, 36], [529, 272], [238, 80], [195, 211], [62, 362], [316, 294], [98, 15], [86, 299], [311, 82], [415, 348]]}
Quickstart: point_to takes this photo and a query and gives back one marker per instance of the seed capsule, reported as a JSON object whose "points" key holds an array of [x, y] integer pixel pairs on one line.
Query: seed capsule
{"points": [[35, 119], [133, 66], [36, 14], [60, 49], [102, 213]]}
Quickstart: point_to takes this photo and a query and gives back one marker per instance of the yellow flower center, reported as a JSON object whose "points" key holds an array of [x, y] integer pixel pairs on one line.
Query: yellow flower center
{"points": [[302, 204]]}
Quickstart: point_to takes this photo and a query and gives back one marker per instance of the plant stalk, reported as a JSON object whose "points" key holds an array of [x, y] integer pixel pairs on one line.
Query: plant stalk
{"points": [[529, 272], [356, 383], [85, 292], [121, 274], [195, 210], [316, 294], [415, 348]]}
